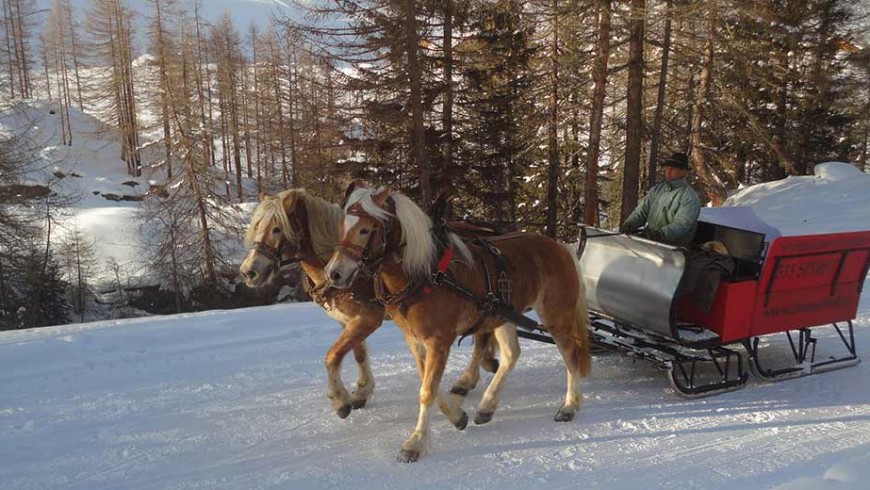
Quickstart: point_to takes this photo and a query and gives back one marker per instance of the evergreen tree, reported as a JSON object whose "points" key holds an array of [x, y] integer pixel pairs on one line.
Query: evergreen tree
{"points": [[498, 115]]}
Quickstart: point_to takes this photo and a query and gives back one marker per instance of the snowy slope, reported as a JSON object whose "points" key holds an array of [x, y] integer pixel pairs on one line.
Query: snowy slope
{"points": [[104, 205], [236, 400], [92, 169]]}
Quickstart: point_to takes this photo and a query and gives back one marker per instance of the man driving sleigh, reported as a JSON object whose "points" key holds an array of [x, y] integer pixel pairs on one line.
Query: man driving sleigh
{"points": [[669, 214]]}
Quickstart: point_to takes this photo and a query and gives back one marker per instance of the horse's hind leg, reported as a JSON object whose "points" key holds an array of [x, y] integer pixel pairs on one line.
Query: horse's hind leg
{"points": [[564, 334], [509, 350], [490, 362], [365, 384], [469, 378]]}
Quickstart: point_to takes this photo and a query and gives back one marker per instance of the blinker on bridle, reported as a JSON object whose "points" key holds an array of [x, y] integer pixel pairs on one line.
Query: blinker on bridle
{"points": [[274, 253]]}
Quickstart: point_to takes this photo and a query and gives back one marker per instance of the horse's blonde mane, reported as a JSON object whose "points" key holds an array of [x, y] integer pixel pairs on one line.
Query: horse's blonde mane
{"points": [[419, 250], [324, 219]]}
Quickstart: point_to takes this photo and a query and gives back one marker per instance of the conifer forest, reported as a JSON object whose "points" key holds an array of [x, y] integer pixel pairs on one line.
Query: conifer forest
{"points": [[537, 115]]}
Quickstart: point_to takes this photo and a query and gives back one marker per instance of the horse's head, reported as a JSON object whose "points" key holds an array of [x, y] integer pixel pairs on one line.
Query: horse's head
{"points": [[275, 237], [364, 234]]}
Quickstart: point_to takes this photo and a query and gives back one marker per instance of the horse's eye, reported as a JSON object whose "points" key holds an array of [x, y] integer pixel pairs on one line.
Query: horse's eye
{"points": [[364, 231], [276, 230]]}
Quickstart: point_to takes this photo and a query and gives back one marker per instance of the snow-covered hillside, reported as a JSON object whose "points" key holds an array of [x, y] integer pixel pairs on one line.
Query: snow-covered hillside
{"points": [[105, 201], [236, 400], [92, 173]]}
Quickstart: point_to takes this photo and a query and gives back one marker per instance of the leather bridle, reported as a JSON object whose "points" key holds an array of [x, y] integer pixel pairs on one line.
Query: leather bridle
{"points": [[368, 256], [300, 227]]}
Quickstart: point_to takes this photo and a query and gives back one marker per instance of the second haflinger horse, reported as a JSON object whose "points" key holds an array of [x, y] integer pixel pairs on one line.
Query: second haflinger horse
{"points": [[385, 232], [295, 226]]}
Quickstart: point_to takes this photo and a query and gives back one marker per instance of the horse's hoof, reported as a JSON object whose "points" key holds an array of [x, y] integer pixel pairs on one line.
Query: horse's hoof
{"points": [[564, 416], [491, 365], [343, 411], [481, 418], [463, 422], [459, 390], [357, 403], [408, 456]]}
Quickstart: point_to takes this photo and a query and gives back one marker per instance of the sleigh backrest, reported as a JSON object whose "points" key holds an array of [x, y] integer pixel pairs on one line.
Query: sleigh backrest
{"points": [[811, 280]]}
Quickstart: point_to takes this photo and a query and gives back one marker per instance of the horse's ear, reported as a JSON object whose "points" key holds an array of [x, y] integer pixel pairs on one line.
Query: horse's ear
{"points": [[262, 196], [289, 201], [381, 196], [356, 184], [438, 208]]}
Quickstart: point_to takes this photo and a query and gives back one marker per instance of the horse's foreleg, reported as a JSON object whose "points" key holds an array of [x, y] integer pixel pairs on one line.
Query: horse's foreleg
{"points": [[365, 384], [469, 378], [418, 352], [509, 350], [448, 406], [433, 369], [352, 335]]}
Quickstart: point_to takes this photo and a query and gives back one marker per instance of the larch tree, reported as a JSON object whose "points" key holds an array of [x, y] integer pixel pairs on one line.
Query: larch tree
{"points": [[110, 28]]}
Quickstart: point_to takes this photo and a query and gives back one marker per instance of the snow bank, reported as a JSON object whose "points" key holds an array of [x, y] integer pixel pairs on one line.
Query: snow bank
{"points": [[835, 199]]}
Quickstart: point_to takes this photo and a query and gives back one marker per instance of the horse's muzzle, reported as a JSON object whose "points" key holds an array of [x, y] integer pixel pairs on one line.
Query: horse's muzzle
{"points": [[340, 274]]}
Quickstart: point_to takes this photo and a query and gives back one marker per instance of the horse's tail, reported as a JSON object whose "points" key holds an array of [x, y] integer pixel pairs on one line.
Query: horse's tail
{"points": [[581, 355]]}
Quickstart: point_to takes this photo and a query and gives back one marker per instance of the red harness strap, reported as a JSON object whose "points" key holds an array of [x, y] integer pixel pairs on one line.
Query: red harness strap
{"points": [[443, 264]]}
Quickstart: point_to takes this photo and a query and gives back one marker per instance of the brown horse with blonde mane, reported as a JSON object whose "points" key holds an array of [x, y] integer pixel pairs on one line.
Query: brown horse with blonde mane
{"points": [[295, 226], [385, 232]]}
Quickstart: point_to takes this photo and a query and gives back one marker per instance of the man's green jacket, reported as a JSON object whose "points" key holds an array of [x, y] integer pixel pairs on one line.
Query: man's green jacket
{"points": [[671, 208]]}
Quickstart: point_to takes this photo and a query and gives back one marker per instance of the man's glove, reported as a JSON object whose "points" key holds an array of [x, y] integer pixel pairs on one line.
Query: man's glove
{"points": [[654, 235], [626, 230]]}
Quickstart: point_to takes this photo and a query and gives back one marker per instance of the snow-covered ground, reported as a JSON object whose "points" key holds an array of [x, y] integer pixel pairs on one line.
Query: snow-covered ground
{"points": [[236, 400]]}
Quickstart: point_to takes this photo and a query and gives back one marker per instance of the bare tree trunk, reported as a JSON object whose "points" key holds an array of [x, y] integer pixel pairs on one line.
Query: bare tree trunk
{"points": [[412, 44], [164, 89], [660, 100], [8, 29], [590, 209], [45, 67], [552, 126], [279, 127], [864, 148], [203, 88], [293, 108], [75, 55], [634, 111], [714, 190], [445, 184]]}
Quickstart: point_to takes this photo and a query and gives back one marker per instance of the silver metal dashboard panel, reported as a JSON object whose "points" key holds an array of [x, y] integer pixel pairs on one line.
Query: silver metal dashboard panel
{"points": [[631, 279]]}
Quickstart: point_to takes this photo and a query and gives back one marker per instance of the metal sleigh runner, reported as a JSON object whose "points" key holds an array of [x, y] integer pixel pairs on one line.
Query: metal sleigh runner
{"points": [[641, 303]]}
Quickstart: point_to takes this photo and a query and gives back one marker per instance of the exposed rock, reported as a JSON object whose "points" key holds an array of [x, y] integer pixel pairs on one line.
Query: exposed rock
{"points": [[158, 190], [22, 192], [116, 197]]}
